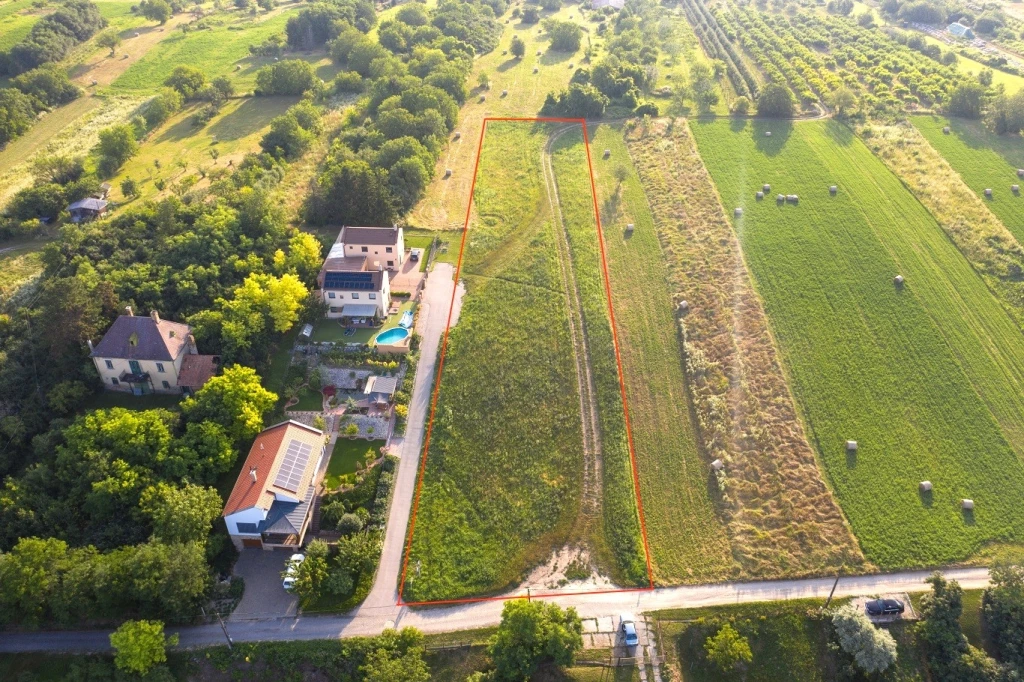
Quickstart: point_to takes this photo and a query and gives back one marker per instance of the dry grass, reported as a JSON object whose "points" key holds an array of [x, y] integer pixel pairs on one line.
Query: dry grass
{"points": [[782, 518], [982, 238]]}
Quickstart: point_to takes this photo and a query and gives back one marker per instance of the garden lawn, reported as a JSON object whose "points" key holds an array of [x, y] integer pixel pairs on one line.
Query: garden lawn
{"points": [[789, 641], [184, 150], [501, 487], [687, 540], [347, 453], [922, 377], [983, 160], [216, 51]]}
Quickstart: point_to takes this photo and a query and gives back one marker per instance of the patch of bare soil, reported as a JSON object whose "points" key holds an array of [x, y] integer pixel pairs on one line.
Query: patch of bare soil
{"points": [[781, 516], [571, 567]]}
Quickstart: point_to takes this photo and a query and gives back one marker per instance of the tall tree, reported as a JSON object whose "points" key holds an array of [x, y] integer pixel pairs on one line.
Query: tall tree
{"points": [[140, 645], [532, 632]]}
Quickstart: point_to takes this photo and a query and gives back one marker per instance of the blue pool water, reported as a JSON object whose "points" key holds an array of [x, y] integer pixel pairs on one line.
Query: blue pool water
{"points": [[391, 336]]}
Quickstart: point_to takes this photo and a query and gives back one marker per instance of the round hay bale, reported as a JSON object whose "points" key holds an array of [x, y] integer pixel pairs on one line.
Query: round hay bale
{"points": [[1015, 189], [767, 133], [458, 135], [792, 197], [607, 153], [760, 195], [833, 189], [967, 504], [945, 130], [504, 93], [718, 465], [1020, 172], [737, 211], [766, 187], [683, 308], [535, 69], [629, 228], [898, 280], [851, 446], [780, 198], [504, 52], [447, 172], [571, 65], [988, 192], [136, 34], [538, 51], [483, 98], [925, 486]]}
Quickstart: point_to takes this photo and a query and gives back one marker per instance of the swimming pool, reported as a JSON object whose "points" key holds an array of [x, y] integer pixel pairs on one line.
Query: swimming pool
{"points": [[392, 336]]}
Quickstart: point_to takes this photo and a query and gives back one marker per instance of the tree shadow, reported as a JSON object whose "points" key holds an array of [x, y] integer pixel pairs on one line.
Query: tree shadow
{"points": [[968, 515], [251, 116], [927, 497], [508, 64], [771, 145], [839, 132], [552, 56]]}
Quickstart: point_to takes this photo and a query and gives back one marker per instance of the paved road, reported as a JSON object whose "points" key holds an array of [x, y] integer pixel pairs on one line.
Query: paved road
{"points": [[370, 620]]}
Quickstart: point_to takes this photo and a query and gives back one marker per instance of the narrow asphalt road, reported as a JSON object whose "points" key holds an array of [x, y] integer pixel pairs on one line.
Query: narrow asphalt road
{"points": [[370, 620]]}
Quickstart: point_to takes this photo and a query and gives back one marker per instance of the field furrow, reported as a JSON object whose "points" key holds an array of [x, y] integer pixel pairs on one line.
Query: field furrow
{"points": [[922, 375]]}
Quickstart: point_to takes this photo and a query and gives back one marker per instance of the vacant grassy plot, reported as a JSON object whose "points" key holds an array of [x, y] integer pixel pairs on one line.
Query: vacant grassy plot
{"points": [[183, 150], [502, 485], [217, 50], [921, 376], [789, 640], [781, 517], [16, 20], [984, 161], [19, 262], [687, 540]]}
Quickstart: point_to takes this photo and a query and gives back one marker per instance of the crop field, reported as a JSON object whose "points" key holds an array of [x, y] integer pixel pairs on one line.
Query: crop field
{"points": [[218, 50], [781, 517], [503, 484], [177, 149], [927, 377], [983, 160]]}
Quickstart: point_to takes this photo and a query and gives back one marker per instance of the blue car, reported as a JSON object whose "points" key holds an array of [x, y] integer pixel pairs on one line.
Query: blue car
{"points": [[628, 627]]}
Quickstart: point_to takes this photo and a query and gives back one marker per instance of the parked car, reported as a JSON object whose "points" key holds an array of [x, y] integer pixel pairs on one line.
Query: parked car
{"points": [[289, 573], [628, 627], [414, 254], [884, 607]]}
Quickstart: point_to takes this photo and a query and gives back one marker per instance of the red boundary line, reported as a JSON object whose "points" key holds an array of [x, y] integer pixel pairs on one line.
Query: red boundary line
{"points": [[440, 368]]}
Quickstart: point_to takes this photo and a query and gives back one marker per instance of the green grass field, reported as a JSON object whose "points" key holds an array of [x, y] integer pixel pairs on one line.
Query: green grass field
{"points": [[19, 262], [621, 522], [345, 456], [502, 487], [687, 540], [921, 376], [217, 50], [984, 160], [16, 20]]}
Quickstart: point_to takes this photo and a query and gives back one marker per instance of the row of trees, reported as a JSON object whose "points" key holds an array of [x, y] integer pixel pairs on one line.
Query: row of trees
{"points": [[53, 36]]}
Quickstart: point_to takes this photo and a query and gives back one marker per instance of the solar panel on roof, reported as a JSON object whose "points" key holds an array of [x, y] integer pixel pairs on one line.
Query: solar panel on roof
{"points": [[294, 465], [349, 280]]}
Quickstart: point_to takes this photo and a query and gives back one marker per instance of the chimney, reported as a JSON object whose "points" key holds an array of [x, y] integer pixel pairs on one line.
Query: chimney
{"points": [[252, 473], [155, 315], [128, 310], [192, 348]]}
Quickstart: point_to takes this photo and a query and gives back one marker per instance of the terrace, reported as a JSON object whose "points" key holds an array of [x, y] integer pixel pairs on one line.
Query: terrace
{"points": [[330, 331]]}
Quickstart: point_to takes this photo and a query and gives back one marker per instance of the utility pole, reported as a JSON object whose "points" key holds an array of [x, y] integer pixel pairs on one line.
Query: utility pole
{"points": [[834, 585], [222, 627]]}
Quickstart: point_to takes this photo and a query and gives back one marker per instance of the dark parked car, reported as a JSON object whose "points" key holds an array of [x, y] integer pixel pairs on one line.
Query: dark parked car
{"points": [[884, 607]]}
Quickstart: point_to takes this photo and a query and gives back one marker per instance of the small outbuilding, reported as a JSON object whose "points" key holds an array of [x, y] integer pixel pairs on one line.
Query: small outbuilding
{"points": [[851, 446], [966, 504], [718, 465], [87, 209], [925, 486]]}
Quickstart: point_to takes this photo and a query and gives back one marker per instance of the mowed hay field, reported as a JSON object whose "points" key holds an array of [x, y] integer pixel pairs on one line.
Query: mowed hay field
{"points": [[502, 478], [922, 376], [620, 517], [16, 20], [984, 160], [687, 539]]}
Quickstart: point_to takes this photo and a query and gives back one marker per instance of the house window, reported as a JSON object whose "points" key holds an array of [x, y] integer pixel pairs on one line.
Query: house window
{"points": [[388, 249], [335, 309], [355, 296], [166, 385], [365, 249], [110, 365], [114, 381], [249, 528], [391, 263], [330, 294], [373, 296], [160, 368]]}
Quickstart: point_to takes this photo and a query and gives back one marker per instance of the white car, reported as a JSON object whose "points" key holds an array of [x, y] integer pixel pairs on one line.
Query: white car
{"points": [[289, 573], [628, 627]]}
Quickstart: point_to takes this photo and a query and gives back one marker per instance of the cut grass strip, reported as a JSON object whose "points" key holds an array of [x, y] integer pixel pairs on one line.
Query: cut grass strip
{"points": [[983, 160], [914, 374]]}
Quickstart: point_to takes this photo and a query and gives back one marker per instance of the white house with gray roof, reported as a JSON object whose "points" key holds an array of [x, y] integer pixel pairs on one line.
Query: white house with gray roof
{"points": [[354, 281]]}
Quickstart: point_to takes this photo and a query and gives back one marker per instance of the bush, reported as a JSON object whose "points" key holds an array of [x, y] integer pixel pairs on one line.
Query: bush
{"points": [[728, 649], [117, 145], [349, 524], [646, 109], [348, 81], [531, 15], [49, 85], [873, 649], [290, 77], [518, 47], [566, 36], [42, 201], [162, 107], [741, 107], [579, 101]]}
